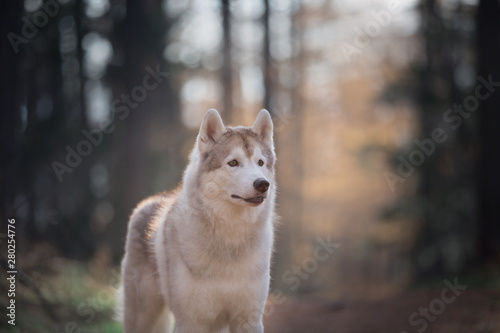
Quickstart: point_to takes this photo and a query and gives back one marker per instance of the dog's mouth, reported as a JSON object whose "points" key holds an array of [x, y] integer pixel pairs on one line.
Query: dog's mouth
{"points": [[255, 200]]}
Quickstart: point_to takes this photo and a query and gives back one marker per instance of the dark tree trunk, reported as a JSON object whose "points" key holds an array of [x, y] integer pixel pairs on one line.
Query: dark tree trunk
{"points": [[143, 42], [268, 83], [131, 142], [444, 45], [488, 49], [134, 152], [10, 97], [79, 13], [227, 71]]}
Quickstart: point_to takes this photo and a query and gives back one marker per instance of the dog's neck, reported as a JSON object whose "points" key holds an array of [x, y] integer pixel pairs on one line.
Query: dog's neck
{"points": [[226, 230]]}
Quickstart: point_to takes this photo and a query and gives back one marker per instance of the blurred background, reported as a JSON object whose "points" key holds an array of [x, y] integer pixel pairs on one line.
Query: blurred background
{"points": [[385, 113]]}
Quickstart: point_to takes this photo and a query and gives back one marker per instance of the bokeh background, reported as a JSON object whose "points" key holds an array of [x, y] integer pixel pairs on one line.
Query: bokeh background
{"points": [[357, 90]]}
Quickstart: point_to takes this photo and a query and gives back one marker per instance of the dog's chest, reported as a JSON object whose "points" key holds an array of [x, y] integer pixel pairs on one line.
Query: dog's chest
{"points": [[226, 279]]}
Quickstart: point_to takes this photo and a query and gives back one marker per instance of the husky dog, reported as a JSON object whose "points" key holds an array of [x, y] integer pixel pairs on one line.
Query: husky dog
{"points": [[201, 253]]}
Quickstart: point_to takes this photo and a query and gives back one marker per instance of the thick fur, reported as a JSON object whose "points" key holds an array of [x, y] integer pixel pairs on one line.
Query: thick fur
{"points": [[202, 252]]}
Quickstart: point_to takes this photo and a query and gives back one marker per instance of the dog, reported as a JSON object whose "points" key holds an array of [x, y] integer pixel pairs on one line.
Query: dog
{"points": [[200, 255]]}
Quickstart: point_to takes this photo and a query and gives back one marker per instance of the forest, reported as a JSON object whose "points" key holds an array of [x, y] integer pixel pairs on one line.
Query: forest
{"points": [[388, 159]]}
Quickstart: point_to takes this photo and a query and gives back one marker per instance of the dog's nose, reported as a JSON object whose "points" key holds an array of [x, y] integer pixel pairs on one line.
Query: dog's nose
{"points": [[261, 185]]}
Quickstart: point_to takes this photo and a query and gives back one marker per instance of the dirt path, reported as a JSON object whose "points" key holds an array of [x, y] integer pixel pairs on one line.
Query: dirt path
{"points": [[473, 311]]}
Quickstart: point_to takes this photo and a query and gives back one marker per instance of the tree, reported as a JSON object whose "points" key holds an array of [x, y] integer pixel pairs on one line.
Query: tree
{"points": [[227, 62], [268, 83], [488, 53], [142, 42], [10, 99], [444, 203]]}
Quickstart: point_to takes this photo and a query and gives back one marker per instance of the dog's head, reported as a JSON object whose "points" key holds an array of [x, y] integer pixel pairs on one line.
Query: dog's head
{"points": [[236, 164]]}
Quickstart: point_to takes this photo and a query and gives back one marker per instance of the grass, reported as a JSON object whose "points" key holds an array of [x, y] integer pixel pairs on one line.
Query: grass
{"points": [[82, 296]]}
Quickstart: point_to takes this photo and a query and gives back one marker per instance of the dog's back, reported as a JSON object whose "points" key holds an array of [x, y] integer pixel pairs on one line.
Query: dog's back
{"points": [[140, 285]]}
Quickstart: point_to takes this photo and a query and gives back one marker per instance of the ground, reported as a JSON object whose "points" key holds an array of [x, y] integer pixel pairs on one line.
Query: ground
{"points": [[473, 311], [81, 296]]}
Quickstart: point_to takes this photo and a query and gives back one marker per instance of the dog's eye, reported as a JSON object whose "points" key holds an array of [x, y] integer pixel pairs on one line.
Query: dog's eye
{"points": [[233, 163], [260, 163]]}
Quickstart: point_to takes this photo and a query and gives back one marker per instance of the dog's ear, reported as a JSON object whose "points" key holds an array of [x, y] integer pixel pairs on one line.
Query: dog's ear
{"points": [[263, 127], [211, 129]]}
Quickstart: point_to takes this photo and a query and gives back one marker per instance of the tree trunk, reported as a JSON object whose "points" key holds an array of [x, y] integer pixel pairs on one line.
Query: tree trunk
{"points": [[268, 84], [143, 42], [488, 50], [227, 71], [10, 13]]}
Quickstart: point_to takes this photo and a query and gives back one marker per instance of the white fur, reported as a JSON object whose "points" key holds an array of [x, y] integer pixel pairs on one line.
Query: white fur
{"points": [[209, 254]]}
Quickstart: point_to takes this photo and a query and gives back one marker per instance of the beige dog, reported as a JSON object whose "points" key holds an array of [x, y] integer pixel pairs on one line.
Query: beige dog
{"points": [[202, 252]]}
